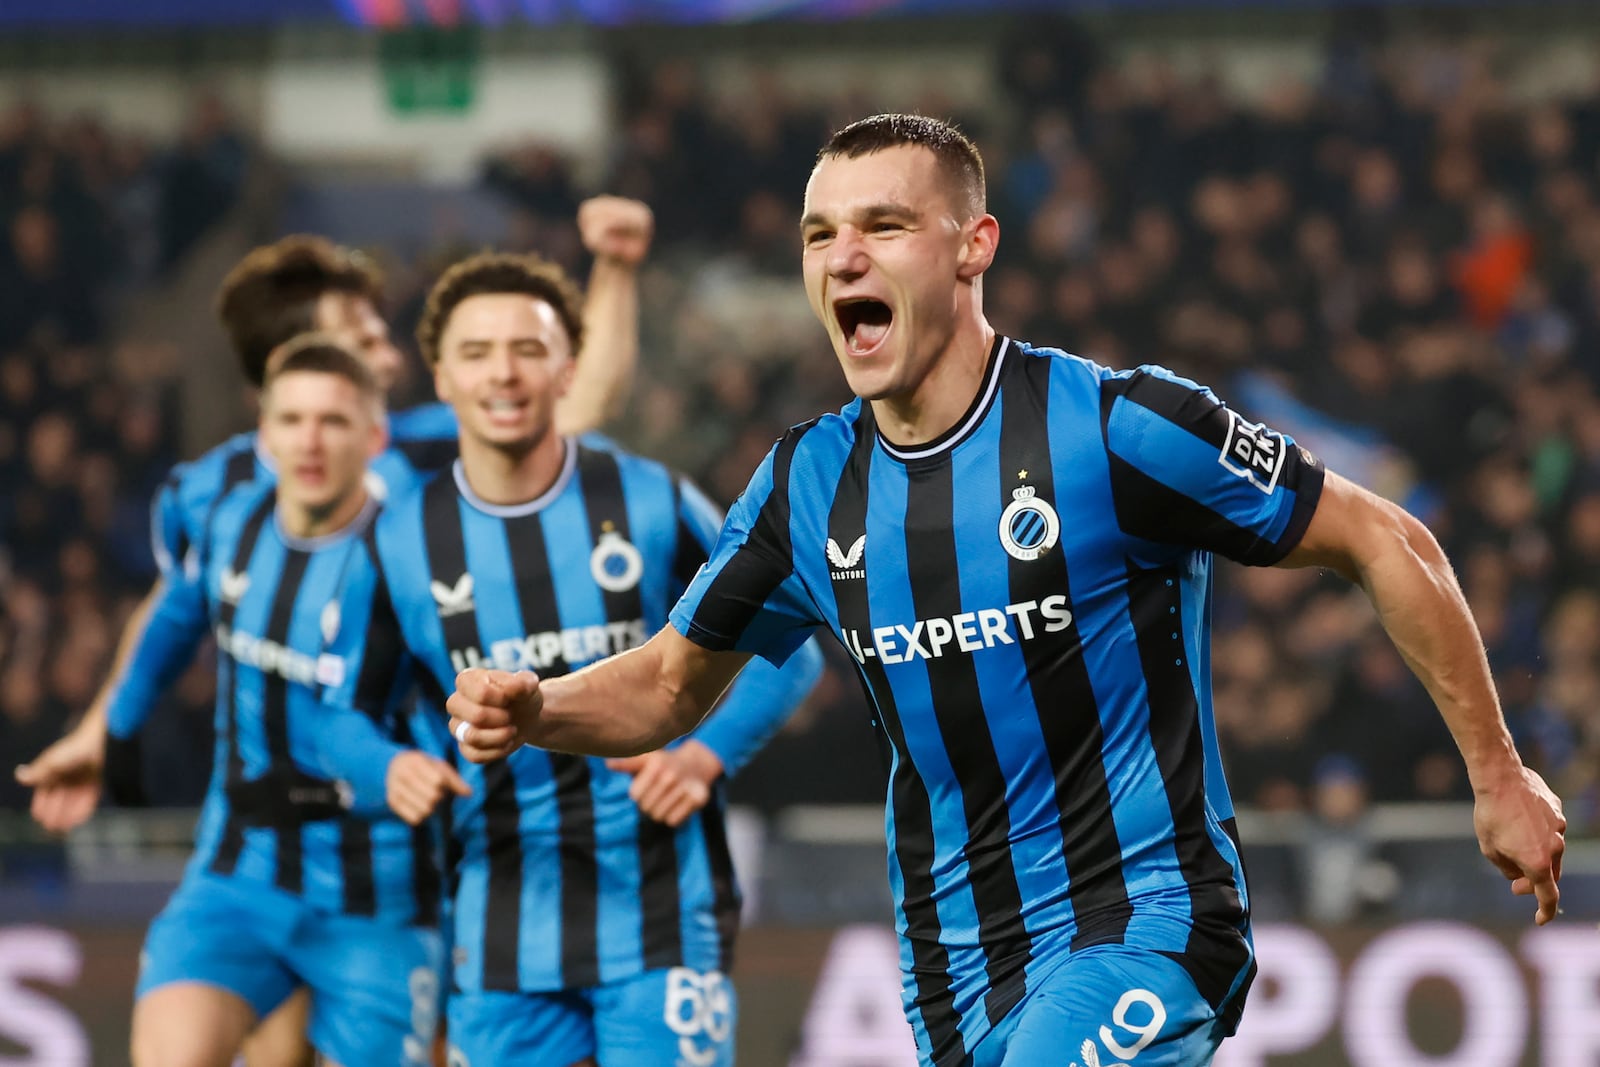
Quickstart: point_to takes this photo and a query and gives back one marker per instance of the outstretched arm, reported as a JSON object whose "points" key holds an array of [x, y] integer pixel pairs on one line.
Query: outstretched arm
{"points": [[65, 777], [622, 706], [1394, 558], [617, 232]]}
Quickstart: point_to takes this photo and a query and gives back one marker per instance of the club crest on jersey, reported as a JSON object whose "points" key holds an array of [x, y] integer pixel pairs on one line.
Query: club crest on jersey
{"points": [[453, 601], [1029, 526], [233, 585], [615, 564], [843, 564]]}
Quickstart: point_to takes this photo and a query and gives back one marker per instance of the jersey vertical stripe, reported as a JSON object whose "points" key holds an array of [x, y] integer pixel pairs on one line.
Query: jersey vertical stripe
{"points": [[447, 555], [536, 596], [232, 842], [1058, 678], [931, 558], [911, 816], [275, 713], [660, 938]]}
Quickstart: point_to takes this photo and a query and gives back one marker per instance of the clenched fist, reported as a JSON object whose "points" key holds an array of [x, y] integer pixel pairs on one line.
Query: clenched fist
{"points": [[492, 713], [617, 229]]}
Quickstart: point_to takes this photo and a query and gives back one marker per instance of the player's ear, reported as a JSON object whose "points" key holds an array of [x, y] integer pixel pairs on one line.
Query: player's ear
{"points": [[378, 440], [565, 374], [441, 385], [980, 240]]}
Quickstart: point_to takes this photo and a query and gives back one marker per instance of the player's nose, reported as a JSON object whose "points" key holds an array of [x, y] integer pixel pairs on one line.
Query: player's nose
{"points": [[847, 256]]}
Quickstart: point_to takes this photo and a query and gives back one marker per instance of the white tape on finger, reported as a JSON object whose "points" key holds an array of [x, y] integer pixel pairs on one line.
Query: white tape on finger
{"points": [[461, 731]]}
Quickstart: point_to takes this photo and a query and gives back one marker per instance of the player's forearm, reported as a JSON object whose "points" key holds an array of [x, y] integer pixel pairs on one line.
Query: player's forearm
{"points": [[162, 648], [623, 706], [1421, 605], [603, 376], [94, 717]]}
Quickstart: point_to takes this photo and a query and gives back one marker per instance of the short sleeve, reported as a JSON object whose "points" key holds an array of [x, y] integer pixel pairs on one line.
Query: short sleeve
{"points": [[1187, 470], [169, 537], [748, 597]]}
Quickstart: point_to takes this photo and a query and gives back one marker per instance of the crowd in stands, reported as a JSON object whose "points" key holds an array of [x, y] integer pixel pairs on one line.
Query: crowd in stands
{"points": [[1399, 263], [88, 427]]}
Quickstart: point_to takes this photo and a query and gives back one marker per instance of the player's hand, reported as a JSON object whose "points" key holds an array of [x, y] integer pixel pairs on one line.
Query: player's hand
{"points": [[65, 779], [493, 713], [617, 229], [416, 783], [671, 784], [1522, 831]]}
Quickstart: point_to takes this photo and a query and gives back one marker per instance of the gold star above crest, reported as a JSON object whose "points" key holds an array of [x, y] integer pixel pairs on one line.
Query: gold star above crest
{"points": [[608, 526], [1022, 475]]}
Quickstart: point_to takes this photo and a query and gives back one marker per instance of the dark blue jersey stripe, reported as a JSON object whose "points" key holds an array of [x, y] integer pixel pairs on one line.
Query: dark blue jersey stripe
{"points": [[912, 843], [232, 842], [447, 558], [574, 800], [1057, 675], [1217, 950], [660, 930], [934, 575], [275, 714]]}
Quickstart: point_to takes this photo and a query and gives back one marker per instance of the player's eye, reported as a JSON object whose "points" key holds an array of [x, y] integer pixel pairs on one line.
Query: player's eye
{"points": [[884, 227], [817, 237]]}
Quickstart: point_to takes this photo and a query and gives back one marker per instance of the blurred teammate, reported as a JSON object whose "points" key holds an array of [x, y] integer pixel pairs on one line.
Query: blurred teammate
{"points": [[287, 887], [1015, 545], [303, 283], [595, 906]]}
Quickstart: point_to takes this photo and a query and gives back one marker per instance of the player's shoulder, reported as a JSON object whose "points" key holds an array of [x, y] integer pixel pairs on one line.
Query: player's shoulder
{"points": [[638, 472], [1153, 382], [235, 508], [425, 422], [1064, 367], [403, 506], [824, 440], [219, 469]]}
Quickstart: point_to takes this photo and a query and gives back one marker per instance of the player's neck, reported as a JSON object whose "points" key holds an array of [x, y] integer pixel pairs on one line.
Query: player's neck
{"points": [[504, 478], [308, 523], [944, 394]]}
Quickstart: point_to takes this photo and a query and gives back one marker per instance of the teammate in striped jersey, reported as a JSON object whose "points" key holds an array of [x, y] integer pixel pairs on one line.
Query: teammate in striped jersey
{"points": [[304, 283], [1016, 547], [277, 291], [595, 904], [287, 887]]}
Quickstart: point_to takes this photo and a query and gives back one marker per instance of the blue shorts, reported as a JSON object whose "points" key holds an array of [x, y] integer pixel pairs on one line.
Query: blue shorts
{"points": [[1107, 1005], [660, 1018], [374, 987]]}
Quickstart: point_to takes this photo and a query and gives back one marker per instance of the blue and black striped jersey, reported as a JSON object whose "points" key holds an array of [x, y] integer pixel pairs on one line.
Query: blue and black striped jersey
{"points": [[560, 882], [1027, 601], [272, 816]]}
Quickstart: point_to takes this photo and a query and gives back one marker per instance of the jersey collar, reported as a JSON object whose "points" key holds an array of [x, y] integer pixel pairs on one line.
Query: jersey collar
{"points": [[966, 424], [569, 463], [353, 528]]}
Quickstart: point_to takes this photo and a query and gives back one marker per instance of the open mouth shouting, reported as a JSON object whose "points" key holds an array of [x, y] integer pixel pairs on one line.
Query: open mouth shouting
{"points": [[865, 322]]}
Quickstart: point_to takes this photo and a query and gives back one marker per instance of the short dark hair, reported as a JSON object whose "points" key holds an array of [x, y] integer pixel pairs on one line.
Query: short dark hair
{"points": [[321, 353], [958, 157], [272, 294], [499, 272]]}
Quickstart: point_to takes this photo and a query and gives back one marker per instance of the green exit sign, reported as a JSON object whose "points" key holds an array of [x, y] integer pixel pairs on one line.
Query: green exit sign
{"points": [[429, 69]]}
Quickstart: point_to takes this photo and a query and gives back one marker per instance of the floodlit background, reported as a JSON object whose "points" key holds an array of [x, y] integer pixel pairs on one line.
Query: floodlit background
{"points": [[1377, 227]]}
